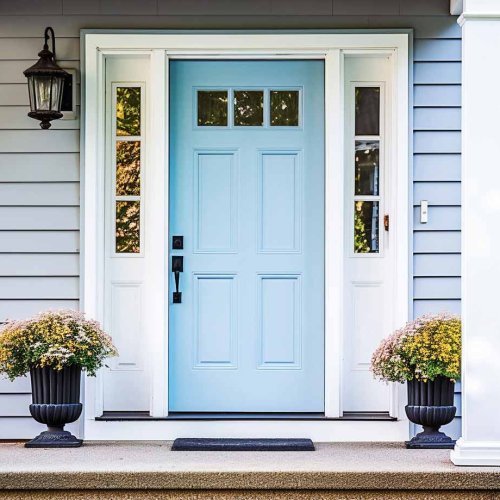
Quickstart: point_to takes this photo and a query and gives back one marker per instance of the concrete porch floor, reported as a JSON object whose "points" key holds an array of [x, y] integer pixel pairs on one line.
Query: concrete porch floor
{"points": [[151, 470]]}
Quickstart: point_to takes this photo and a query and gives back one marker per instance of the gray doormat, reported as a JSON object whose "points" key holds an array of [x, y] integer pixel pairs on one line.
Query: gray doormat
{"points": [[208, 444]]}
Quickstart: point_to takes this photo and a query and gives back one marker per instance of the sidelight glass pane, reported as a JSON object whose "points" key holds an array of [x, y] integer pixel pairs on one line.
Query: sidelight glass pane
{"points": [[127, 237], [367, 111], [284, 108], [212, 108], [128, 168], [366, 168], [249, 108], [366, 226], [128, 111]]}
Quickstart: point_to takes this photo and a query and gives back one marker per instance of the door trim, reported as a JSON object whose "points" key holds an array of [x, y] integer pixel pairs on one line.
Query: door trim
{"points": [[160, 48]]}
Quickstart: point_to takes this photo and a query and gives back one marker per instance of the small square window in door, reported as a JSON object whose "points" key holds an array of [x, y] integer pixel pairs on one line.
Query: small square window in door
{"points": [[212, 108], [248, 108], [284, 108]]}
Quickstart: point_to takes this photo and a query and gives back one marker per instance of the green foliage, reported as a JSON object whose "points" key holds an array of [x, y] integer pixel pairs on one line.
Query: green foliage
{"points": [[128, 226], [128, 168], [128, 111], [361, 241]]}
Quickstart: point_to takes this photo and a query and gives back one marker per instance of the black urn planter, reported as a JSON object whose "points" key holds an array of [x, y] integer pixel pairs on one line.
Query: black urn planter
{"points": [[56, 402], [430, 404]]}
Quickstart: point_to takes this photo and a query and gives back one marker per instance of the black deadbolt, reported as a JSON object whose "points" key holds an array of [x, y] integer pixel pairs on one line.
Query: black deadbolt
{"points": [[177, 242]]}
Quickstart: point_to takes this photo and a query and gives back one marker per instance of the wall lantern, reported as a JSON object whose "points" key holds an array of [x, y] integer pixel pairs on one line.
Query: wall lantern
{"points": [[45, 84]]}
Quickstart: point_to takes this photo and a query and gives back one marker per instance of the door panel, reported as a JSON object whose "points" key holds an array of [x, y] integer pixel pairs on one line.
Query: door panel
{"points": [[215, 201], [247, 194], [279, 201]]}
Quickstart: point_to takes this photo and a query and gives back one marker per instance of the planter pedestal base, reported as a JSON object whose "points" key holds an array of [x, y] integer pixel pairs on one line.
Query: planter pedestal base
{"points": [[55, 416], [431, 418], [56, 438], [431, 438]]}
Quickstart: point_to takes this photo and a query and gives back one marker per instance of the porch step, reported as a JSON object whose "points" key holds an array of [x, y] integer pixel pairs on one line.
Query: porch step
{"points": [[116, 470]]}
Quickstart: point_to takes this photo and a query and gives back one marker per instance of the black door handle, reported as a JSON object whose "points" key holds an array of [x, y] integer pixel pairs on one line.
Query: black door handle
{"points": [[177, 268]]}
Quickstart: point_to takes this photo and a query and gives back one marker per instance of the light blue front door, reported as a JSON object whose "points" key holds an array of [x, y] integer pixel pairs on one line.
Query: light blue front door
{"points": [[247, 195]]}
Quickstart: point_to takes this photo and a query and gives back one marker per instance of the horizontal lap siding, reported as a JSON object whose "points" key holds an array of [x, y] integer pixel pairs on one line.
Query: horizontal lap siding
{"points": [[39, 208], [437, 146], [39, 171], [436, 174]]}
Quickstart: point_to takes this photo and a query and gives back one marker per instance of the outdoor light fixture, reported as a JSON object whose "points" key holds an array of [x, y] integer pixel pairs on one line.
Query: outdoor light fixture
{"points": [[45, 84]]}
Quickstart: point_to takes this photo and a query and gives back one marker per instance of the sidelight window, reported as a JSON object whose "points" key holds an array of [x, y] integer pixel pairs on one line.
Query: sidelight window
{"points": [[128, 151], [367, 179]]}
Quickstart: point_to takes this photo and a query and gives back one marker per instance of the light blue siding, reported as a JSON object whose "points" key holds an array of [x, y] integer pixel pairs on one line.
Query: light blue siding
{"points": [[437, 119], [436, 167], [437, 174], [436, 265], [440, 96], [436, 242], [427, 306], [436, 288], [433, 49], [436, 141], [437, 72], [440, 219], [437, 193]]}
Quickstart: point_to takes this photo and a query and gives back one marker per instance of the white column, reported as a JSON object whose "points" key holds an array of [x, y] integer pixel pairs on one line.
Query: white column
{"points": [[480, 442]]}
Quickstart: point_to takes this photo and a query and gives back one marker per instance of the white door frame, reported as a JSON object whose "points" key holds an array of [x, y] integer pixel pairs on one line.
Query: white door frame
{"points": [[161, 47]]}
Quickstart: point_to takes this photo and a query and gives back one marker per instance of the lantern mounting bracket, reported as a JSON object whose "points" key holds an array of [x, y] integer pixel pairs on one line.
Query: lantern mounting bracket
{"points": [[49, 33]]}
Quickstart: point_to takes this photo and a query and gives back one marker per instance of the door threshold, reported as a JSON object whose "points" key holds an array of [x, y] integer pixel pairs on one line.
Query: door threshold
{"points": [[190, 416]]}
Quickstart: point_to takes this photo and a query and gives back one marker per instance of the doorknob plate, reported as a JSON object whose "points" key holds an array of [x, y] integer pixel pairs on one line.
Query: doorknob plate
{"points": [[177, 298]]}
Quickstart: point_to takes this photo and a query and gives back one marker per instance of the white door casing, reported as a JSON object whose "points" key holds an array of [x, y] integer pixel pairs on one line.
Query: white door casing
{"points": [[157, 49]]}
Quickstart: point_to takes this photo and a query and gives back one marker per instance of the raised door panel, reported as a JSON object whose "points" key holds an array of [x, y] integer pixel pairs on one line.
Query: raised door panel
{"points": [[215, 201], [279, 202], [280, 322], [215, 342]]}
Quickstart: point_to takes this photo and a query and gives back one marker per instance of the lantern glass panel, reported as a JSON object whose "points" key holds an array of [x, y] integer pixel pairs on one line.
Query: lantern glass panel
{"points": [[46, 93], [31, 89], [57, 92]]}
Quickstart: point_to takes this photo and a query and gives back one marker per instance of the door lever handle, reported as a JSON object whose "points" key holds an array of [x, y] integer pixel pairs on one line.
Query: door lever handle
{"points": [[177, 268]]}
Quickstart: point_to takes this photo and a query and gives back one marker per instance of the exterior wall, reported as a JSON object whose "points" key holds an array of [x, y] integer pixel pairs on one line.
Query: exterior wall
{"points": [[39, 171]]}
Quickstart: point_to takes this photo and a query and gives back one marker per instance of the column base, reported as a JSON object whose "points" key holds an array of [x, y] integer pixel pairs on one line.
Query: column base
{"points": [[476, 453]]}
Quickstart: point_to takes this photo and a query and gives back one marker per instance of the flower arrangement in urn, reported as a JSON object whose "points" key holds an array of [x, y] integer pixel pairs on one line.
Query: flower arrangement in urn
{"points": [[426, 354], [54, 347]]}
